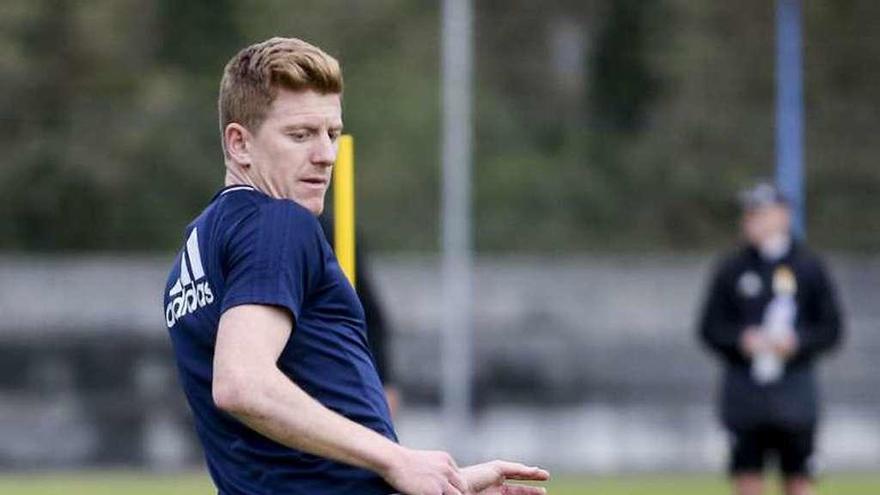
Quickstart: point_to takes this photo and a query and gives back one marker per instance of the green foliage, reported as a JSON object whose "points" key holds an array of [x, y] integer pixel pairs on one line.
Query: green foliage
{"points": [[108, 118], [623, 85]]}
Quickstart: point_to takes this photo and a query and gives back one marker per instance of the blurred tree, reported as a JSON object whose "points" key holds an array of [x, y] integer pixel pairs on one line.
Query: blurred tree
{"points": [[601, 124], [197, 33], [623, 84]]}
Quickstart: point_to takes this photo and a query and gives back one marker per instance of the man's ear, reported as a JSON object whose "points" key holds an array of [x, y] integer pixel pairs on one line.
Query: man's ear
{"points": [[237, 141]]}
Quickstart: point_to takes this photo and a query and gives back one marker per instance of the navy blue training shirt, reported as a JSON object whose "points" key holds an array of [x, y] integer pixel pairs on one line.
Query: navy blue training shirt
{"points": [[248, 248]]}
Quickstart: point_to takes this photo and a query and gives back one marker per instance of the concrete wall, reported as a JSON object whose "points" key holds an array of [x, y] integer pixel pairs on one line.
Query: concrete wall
{"points": [[583, 363]]}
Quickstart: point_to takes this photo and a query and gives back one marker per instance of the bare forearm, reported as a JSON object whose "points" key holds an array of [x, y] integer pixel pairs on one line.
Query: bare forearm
{"points": [[278, 409]]}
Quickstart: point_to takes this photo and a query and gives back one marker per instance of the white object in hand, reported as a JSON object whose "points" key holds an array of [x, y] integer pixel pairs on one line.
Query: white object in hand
{"points": [[778, 325]]}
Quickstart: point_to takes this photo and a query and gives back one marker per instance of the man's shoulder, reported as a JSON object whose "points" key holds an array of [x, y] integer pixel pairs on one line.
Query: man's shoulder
{"points": [[286, 210], [244, 204], [734, 260], [239, 199], [808, 260], [805, 254]]}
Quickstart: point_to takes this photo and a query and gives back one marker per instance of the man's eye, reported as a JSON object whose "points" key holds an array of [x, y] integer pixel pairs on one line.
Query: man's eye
{"points": [[299, 135], [334, 135]]}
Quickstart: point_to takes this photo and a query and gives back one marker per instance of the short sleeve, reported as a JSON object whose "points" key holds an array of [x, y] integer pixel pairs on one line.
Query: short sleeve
{"points": [[273, 257]]}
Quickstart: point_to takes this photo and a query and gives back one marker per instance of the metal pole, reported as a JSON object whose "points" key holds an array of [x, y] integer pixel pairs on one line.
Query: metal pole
{"points": [[790, 108], [456, 221], [343, 208]]}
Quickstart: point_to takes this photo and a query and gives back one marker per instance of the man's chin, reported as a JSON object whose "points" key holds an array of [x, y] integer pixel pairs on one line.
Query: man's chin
{"points": [[316, 206], [313, 204]]}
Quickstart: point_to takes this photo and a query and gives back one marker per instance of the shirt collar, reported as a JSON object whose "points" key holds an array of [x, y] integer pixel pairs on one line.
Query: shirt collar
{"points": [[233, 188]]}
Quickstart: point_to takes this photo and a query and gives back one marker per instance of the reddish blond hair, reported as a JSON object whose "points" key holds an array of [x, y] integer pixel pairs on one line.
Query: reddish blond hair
{"points": [[253, 76]]}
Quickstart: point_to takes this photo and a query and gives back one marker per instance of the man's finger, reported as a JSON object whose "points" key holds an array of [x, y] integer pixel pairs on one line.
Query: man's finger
{"points": [[522, 490], [451, 490], [458, 481], [517, 471]]}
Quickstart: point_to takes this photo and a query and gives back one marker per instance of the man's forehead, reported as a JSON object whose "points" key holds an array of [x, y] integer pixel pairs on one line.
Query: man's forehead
{"points": [[765, 209], [307, 106]]}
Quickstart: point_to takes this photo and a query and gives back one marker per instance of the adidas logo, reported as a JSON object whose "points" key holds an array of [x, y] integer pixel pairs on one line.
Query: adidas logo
{"points": [[188, 294]]}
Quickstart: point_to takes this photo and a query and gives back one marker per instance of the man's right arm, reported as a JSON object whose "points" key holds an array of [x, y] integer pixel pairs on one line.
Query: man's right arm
{"points": [[718, 328], [248, 385]]}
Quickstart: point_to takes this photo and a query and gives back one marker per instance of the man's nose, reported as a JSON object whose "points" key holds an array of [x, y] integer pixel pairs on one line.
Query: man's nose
{"points": [[324, 152]]}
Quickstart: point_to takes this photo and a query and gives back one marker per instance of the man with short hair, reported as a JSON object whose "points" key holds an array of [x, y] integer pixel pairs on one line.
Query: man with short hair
{"points": [[770, 312], [268, 334]]}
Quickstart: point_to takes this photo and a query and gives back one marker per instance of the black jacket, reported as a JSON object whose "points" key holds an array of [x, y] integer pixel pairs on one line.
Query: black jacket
{"points": [[739, 293]]}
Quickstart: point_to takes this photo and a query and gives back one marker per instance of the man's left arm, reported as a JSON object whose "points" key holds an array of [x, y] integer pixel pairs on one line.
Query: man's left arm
{"points": [[820, 329]]}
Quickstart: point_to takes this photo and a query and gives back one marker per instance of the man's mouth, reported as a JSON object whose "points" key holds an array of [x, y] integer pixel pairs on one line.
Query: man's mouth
{"points": [[315, 181]]}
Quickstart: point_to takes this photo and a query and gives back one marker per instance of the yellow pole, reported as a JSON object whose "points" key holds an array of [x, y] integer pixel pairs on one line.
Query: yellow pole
{"points": [[343, 207]]}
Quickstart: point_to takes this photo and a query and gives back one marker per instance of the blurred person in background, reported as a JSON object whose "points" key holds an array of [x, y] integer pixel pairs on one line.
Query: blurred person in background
{"points": [[771, 311], [269, 336], [379, 334]]}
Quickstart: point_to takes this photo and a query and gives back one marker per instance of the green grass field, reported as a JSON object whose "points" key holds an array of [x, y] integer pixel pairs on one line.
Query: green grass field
{"points": [[196, 484]]}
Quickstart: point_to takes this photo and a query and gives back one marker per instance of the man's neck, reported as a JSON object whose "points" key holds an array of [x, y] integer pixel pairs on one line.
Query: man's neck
{"points": [[236, 179], [775, 248]]}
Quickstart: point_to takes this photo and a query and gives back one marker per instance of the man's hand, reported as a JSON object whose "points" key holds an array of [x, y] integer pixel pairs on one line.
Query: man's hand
{"points": [[752, 341], [490, 478], [787, 346], [424, 472]]}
